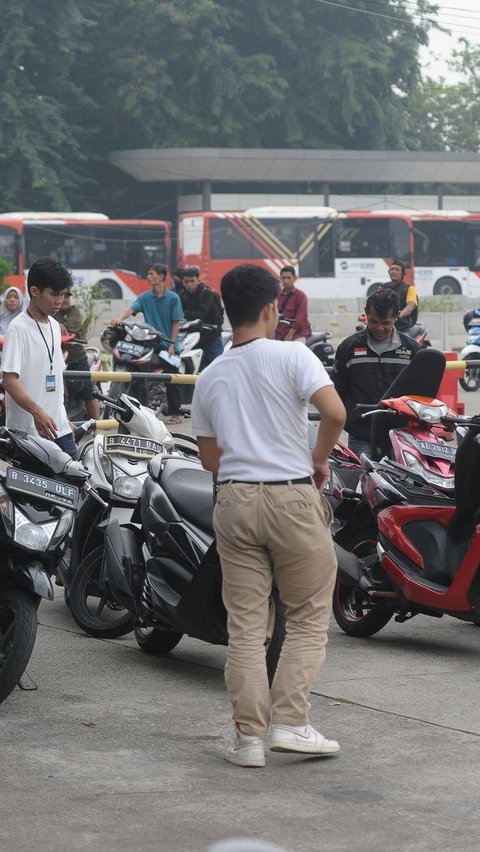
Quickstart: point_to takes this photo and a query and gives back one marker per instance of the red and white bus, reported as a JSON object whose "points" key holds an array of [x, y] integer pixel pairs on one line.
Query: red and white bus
{"points": [[335, 254], [447, 253], [339, 255], [114, 253]]}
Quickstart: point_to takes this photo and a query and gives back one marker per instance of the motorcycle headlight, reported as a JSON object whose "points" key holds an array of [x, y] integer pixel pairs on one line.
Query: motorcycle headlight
{"points": [[32, 536], [138, 333], [128, 487], [64, 525], [447, 482], [105, 464], [428, 413], [6, 505]]}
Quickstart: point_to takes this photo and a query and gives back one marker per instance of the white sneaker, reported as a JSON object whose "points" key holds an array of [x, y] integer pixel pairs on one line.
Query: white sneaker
{"points": [[246, 750], [301, 738]]}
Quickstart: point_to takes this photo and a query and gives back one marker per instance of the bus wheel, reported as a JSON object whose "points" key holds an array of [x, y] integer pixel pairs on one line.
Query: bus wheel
{"points": [[446, 287], [109, 289], [373, 288]]}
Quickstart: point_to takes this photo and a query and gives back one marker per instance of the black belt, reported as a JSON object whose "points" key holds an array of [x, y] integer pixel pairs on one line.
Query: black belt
{"points": [[304, 480]]}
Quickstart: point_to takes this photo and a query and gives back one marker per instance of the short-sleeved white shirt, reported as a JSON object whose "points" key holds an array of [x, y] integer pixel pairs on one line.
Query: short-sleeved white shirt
{"points": [[25, 353], [253, 399]]}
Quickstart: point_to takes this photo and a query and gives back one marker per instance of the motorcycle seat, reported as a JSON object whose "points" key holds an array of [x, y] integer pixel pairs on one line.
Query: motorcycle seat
{"points": [[416, 329], [190, 489], [318, 337]]}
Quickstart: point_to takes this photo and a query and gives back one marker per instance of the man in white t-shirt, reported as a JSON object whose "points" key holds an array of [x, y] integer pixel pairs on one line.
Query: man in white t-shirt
{"points": [[249, 414], [32, 360]]}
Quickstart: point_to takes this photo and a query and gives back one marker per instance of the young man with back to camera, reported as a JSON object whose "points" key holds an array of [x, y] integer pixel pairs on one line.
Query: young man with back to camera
{"points": [[32, 362], [249, 413], [367, 362]]}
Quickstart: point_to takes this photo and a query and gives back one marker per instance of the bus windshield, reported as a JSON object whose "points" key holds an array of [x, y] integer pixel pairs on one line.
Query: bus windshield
{"points": [[128, 247]]}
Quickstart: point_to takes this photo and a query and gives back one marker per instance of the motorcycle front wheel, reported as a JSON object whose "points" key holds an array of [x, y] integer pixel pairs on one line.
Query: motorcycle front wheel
{"points": [[115, 392], [153, 640], [18, 630], [471, 380], [96, 611], [352, 612]]}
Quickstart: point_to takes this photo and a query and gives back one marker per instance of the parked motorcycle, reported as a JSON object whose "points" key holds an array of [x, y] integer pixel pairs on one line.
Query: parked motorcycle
{"points": [[136, 347], [39, 495], [471, 352], [118, 467], [408, 548], [164, 567], [317, 342], [191, 338]]}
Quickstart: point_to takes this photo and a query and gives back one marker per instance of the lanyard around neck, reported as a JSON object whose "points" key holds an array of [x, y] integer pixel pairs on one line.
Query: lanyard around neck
{"points": [[52, 353]]}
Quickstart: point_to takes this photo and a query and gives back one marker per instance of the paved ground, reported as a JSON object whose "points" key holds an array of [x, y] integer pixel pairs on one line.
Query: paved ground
{"points": [[120, 751]]}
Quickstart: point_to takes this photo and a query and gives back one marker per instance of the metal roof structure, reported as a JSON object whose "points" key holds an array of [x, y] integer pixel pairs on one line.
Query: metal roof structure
{"points": [[292, 165]]}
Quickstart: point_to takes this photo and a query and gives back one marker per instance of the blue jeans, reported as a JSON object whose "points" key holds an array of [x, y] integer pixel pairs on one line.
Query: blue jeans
{"points": [[358, 445], [67, 444], [211, 350]]}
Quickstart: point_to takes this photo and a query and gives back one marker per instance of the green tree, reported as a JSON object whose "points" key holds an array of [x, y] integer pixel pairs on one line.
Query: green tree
{"points": [[445, 116], [41, 152]]}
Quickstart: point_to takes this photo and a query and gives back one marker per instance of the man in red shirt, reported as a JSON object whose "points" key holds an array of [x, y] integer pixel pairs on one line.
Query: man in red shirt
{"points": [[293, 305]]}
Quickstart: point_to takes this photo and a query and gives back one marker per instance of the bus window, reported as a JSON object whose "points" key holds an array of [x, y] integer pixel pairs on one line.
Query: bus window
{"points": [[440, 243], [362, 238], [400, 241], [8, 247], [326, 265], [474, 248], [228, 242], [61, 242]]}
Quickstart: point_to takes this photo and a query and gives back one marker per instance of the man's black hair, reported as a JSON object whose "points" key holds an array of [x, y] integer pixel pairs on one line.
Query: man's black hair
{"points": [[288, 269], [159, 268], [384, 301], [47, 272], [246, 289], [191, 272], [399, 263]]}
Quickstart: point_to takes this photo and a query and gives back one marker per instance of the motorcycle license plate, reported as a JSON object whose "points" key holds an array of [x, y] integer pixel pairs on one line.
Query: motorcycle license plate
{"points": [[128, 445], [131, 348], [49, 490], [438, 451]]}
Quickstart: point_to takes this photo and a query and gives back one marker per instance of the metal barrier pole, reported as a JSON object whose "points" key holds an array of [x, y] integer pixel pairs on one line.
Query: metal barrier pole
{"points": [[166, 378]]}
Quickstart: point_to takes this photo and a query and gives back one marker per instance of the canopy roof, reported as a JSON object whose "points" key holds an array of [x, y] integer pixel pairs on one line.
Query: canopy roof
{"points": [[278, 165]]}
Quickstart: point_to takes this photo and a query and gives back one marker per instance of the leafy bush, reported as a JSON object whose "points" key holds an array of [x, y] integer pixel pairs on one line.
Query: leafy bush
{"points": [[88, 300], [6, 269]]}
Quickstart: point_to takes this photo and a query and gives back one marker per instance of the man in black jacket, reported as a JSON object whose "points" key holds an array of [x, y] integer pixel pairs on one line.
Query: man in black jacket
{"points": [[200, 302], [367, 363], [407, 297]]}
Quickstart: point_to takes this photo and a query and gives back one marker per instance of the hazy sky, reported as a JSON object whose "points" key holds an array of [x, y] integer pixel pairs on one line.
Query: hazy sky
{"points": [[462, 18]]}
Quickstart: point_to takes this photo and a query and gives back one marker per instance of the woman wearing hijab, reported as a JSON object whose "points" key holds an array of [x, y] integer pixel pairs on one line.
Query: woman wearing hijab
{"points": [[12, 307]]}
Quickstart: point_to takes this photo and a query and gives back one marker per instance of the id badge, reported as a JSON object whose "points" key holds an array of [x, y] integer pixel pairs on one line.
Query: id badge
{"points": [[50, 382]]}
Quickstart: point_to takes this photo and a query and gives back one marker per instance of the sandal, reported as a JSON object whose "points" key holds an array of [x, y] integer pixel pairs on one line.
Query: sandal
{"points": [[173, 420]]}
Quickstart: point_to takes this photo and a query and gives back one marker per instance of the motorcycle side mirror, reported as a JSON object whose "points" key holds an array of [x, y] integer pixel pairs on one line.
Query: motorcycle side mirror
{"points": [[154, 467]]}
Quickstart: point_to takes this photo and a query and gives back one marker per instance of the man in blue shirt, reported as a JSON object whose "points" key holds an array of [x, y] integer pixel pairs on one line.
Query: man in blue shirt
{"points": [[161, 308]]}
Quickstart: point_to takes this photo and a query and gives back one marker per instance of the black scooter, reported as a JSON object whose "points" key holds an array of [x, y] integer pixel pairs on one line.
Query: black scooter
{"points": [[164, 567], [39, 494]]}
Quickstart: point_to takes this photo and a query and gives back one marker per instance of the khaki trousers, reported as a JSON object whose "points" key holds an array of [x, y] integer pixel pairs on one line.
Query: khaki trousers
{"points": [[282, 532]]}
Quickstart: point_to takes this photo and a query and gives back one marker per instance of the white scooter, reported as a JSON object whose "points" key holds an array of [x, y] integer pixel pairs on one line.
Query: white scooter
{"points": [[191, 350]]}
